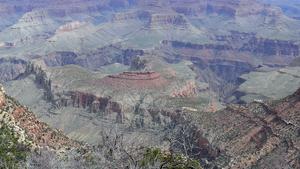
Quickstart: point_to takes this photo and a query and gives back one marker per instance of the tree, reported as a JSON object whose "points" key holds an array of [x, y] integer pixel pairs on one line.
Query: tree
{"points": [[11, 151], [156, 158]]}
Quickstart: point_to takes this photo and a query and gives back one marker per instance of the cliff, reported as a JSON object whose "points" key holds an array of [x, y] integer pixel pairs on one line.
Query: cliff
{"points": [[270, 47], [26, 124], [11, 68], [186, 91], [188, 45], [41, 79], [134, 81], [131, 16], [94, 104], [232, 8], [237, 43], [255, 134], [68, 27], [158, 21]]}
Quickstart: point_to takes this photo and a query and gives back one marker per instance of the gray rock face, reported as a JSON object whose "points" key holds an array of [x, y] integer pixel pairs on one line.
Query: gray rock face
{"points": [[11, 69]]}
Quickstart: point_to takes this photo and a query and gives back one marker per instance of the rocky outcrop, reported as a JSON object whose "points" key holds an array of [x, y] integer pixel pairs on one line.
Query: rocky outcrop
{"points": [[288, 109], [136, 76], [229, 70], [70, 26], [269, 47], [158, 21], [11, 68], [66, 7], [106, 55], [128, 16], [187, 91], [26, 123], [134, 81], [2, 97], [252, 134], [240, 42], [188, 45], [234, 8], [94, 104], [60, 58], [41, 79]]}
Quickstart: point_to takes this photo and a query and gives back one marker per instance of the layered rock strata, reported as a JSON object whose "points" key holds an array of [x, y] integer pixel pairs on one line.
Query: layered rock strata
{"points": [[22, 120], [253, 134], [135, 80]]}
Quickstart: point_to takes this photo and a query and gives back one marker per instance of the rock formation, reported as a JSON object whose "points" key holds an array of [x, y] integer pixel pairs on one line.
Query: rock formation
{"points": [[70, 26], [21, 119], [131, 16], [250, 135], [135, 81], [11, 68], [60, 58], [266, 47], [158, 21], [187, 91], [41, 79]]}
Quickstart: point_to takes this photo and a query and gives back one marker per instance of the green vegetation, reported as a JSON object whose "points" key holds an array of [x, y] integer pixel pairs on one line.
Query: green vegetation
{"points": [[11, 151], [155, 157]]}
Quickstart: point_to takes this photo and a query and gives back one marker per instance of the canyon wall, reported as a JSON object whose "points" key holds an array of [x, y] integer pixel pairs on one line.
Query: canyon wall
{"points": [[265, 47], [93, 59], [41, 79], [167, 20], [94, 104], [26, 125], [11, 68], [269, 47]]}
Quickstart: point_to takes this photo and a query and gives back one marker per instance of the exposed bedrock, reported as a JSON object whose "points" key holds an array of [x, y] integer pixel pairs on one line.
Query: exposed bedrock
{"points": [[197, 146], [94, 104], [66, 7], [143, 118], [220, 7], [270, 47], [222, 74], [229, 71], [68, 27], [23, 121], [237, 42], [60, 58], [161, 20], [94, 59], [41, 79], [188, 45], [108, 55], [2, 97], [153, 20], [218, 69], [134, 81], [249, 134], [11, 68], [136, 15]]}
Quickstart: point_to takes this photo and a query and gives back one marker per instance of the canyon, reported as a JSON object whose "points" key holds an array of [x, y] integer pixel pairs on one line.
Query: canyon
{"points": [[219, 75]]}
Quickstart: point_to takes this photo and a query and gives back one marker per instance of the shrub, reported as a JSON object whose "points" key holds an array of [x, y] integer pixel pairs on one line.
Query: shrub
{"points": [[156, 158], [11, 151]]}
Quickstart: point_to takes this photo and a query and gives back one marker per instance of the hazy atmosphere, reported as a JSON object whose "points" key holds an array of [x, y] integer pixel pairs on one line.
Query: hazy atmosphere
{"points": [[150, 84]]}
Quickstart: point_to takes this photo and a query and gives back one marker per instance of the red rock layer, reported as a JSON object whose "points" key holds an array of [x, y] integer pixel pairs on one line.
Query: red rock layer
{"points": [[134, 80], [40, 132]]}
